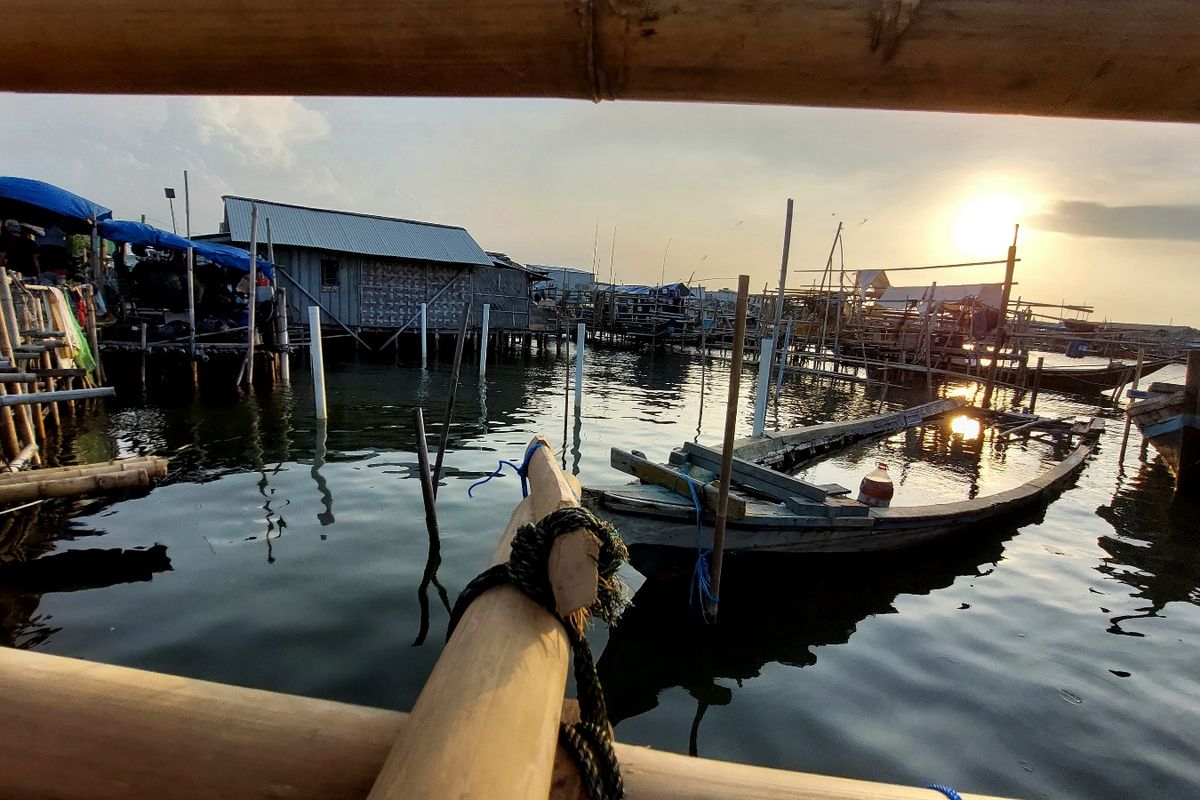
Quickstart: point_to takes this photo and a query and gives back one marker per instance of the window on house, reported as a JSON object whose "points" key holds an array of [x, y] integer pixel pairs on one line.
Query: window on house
{"points": [[329, 273]]}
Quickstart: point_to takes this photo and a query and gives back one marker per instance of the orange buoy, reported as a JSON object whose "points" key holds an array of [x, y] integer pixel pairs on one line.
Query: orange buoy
{"points": [[876, 488]]}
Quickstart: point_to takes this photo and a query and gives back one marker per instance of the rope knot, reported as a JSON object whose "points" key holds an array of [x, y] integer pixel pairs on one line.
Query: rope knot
{"points": [[527, 568]]}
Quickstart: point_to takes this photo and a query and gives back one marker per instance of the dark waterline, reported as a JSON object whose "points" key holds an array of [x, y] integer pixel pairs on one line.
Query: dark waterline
{"points": [[1051, 657]]}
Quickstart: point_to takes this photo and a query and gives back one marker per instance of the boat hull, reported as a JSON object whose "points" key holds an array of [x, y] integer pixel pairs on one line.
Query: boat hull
{"points": [[648, 516]]}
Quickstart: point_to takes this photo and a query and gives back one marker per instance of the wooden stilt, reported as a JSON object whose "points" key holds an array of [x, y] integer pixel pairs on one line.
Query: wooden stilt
{"points": [[731, 409]]}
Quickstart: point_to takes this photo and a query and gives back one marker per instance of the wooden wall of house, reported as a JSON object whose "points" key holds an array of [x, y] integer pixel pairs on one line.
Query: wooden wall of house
{"points": [[383, 294]]}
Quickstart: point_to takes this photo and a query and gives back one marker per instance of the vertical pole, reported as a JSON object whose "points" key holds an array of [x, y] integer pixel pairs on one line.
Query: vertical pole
{"points": [[191, 288], [1187, 481], [450, 395], [318, 360], [285, 357], [97, 263], [143, 326], [483, 339], [1137, 377], [93, 338], [1037, 382], [929, 320], [787, 344], [999, 341], [252, 297], [763, 387], [579, 339], [739, 336], [424, 333], [787, 246]]}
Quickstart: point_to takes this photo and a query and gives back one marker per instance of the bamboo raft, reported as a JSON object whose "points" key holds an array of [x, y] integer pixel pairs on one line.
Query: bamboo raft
{"points": [[772, 512], [484, 726]]}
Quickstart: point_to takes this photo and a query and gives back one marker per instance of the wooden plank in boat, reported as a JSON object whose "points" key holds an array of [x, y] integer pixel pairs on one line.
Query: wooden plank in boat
{"points": [[659, 475], [832, 507], [766, 481]]}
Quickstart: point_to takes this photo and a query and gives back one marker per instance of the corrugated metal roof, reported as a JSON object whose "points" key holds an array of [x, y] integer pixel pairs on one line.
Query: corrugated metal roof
{"points": [[345, 232]]}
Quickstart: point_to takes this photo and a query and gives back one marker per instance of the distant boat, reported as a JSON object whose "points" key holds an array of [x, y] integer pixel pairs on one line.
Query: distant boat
{"points": [[1093, 380], [772, 512]]}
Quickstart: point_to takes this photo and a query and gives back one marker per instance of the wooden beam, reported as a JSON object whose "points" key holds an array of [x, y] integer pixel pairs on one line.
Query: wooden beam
{"points": [[1041, 57], [650, 472], [128, 734]]}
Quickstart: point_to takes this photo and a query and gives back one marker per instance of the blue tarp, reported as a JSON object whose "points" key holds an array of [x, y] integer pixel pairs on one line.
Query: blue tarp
{"points": [[119, 230], [52, 201]]}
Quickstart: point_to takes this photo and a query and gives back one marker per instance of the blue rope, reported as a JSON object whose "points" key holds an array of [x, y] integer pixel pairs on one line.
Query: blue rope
{"points": [[946, 790], [701, 586], [522, 471]]}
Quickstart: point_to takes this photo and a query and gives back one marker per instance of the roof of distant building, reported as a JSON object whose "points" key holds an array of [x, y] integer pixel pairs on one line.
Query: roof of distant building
{"points": [[349, 232]]}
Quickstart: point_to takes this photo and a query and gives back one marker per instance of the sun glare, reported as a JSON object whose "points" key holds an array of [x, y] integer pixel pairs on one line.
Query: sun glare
{"points": [[984, 226]]}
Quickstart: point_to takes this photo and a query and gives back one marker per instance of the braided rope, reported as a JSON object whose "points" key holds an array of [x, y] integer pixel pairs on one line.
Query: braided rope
{"points": [[590, 740]]}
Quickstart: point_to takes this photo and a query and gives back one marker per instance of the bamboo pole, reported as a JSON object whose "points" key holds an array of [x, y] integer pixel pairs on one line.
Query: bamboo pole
{"points": [[731, 407], [1137, 377], [65, 394], [191, 287], [8, 340], [450, 397], [486, 723], [18, 492], [1003, 56], [153, 466], [22, 459], [129, 734], [93, 337]]}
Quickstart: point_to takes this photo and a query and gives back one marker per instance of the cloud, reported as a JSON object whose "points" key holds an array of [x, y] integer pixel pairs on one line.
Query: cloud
{"points": [[1082, 218], [259, 130]]}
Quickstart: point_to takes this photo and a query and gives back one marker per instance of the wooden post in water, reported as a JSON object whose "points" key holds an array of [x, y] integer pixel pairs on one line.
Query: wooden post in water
{"points": [[318, 360], [450, 396], [483, 339], [1037, 382], [1009, 265], [762, 389], [787, 344], [1187, 481], [428, 495], [424, 334], [731, 408], [284, 337], [1137, 377], [787, 246], [252, 295], [191, 288], [580, 335], [89, 293], [486, 723]]}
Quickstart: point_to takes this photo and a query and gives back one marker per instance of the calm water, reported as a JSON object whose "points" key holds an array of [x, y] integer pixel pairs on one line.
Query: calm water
{"points": [[1054, 657]]}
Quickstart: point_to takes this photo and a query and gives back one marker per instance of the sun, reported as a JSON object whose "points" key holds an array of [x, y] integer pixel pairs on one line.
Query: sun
{"points": [[983, 228]]}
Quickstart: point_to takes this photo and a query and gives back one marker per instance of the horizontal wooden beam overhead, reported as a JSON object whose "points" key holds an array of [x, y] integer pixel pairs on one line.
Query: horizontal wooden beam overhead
{"points": [[1042, 57]]}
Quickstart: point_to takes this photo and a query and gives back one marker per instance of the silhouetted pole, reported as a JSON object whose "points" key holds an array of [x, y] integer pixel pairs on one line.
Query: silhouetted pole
{"points": [[483, 339], [580, 335], [453, 393], [428, 495], [787, 246], [1137, 377], [1000, 325], [1037, 382], [731, 410]]}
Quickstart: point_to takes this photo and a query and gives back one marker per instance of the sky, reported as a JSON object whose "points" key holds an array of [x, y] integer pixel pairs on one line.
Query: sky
{"points": [[1109, 212]]}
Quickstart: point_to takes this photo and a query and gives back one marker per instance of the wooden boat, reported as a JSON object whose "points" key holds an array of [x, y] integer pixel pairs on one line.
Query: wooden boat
{"points": [[1168, 415], [772, 512], [1093, 380]]}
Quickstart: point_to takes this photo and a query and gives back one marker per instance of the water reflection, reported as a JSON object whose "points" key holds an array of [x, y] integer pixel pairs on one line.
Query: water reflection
{"points": [[1155, 549], [772, 610], [321, 434], [29, 570]]}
